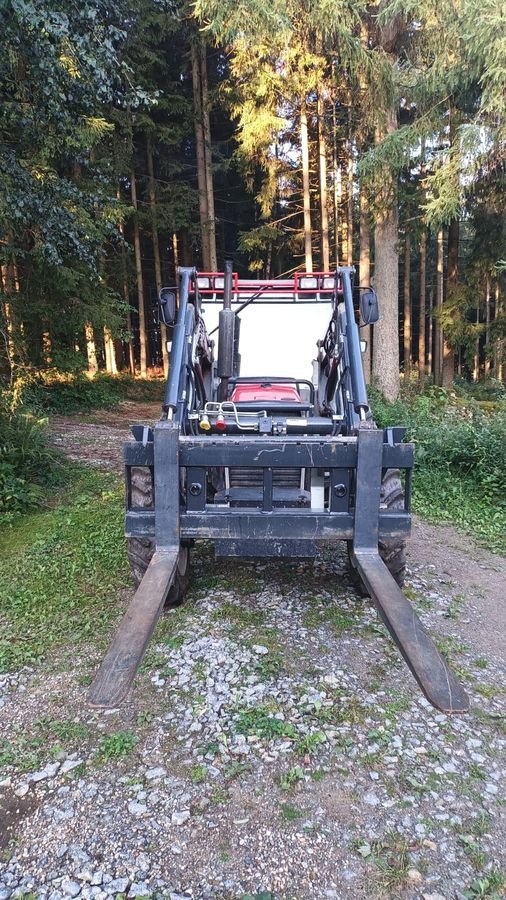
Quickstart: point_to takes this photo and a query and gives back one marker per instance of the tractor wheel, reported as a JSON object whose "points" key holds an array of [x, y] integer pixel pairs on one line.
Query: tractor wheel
{"points": [[393, 554], [140, 550]]}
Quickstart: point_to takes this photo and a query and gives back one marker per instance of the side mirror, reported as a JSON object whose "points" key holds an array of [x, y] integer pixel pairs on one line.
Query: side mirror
{"points": [[369, 306], [167, 306]]}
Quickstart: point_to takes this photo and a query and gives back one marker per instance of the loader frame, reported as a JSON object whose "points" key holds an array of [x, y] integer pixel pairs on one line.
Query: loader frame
{"points": [[348, 455]]}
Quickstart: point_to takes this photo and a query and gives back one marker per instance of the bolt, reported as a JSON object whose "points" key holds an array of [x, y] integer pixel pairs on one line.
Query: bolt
{"points": [[195, 489], [340, 490]]}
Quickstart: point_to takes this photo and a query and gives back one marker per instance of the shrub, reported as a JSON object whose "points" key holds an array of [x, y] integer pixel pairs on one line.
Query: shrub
{"points": [[26, 460], [52, 391]]}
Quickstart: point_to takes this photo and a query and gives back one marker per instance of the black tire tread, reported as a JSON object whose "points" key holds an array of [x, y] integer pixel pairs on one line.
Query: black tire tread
{"points": [[392, 554], [140, 550]]}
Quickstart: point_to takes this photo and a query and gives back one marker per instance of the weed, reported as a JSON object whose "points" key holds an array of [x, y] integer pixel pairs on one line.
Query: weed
{"points": [[115, 746], [290, 813], [490, 885], [307, 744], [480, 663], [199, 774], [293, 777], [391, 858], [473, 850], [238, 614], [262, 722]]}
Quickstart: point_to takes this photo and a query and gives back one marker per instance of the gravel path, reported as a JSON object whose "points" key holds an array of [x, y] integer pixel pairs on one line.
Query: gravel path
{"points": [[274, 744]]}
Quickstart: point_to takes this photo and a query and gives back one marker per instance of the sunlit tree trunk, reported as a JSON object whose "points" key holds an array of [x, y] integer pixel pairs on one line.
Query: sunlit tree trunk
{"points": [[110, 352], [175, 253], [386, 282], [422, 320], [156, 245], [91, 349], [304, 145], [324, 211], [365, 276], [140, 284], [407, 306]]}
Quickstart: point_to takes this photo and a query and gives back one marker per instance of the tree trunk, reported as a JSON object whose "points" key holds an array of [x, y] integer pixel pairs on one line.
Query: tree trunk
{"points": [[336, 186], [304, 144], [140, 284], [476, 367], [438, 331], [499, 344], [324, 212], [126, 294], [156, 245], [208, 157], [451, 284], [386, 283], [422, 320], [201, 158], [349, 205], [365, 277], [91, 350], [407, 307], [487, 327], [175, 253], [430, 353], [110, 352]]}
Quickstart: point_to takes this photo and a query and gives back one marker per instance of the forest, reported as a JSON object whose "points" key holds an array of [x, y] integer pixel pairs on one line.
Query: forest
{"points": [[139, 135]]}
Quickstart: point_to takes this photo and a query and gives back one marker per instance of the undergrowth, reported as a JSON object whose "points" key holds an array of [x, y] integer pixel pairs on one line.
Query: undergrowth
{"points": [[460, 460], [60, 570], [52, 391]]}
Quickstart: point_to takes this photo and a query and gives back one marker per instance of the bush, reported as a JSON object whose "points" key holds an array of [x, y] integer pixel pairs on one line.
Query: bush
{"points": [[26, 460], [461, 440]]}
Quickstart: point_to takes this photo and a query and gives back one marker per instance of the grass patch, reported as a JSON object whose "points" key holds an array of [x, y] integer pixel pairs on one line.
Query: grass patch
{"points": [[60, 570], [46, 738]]}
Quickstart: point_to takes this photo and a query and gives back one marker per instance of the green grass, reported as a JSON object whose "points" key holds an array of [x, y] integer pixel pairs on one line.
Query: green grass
{"points": [[28, 749], [61, 570]]}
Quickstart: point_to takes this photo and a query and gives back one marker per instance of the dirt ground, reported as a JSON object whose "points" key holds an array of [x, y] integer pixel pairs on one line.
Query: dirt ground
{"points": [[273, 744]]}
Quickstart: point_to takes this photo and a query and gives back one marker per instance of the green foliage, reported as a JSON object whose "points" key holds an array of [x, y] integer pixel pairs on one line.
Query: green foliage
{"points": [[115, 746], [26, 460], [460, 472]]}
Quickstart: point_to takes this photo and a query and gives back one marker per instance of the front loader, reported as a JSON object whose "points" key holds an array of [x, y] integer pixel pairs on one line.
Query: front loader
{"points": [[265, 465]]}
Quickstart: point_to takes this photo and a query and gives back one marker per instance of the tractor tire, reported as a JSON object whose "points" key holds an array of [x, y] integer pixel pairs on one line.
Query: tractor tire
{"points": [[392, 554], [140, 550]]}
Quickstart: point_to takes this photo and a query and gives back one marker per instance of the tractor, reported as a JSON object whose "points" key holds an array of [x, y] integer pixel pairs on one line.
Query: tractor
{"points": [[268, 464]]}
